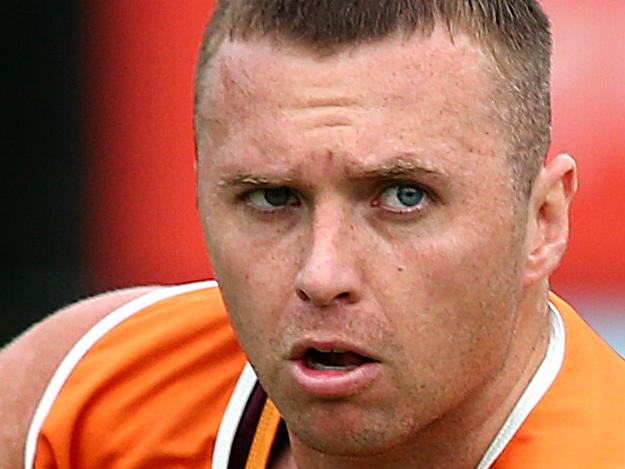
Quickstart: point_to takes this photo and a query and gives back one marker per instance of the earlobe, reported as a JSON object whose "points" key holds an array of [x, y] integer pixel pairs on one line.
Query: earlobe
{"points": [[548, 217]]}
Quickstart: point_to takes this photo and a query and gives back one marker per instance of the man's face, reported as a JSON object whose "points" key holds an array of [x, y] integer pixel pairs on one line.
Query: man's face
{"points": [[360, 217]]}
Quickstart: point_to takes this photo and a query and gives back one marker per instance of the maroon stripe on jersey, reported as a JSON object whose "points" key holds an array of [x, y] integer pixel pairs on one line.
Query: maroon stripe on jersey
{"points": [[247, 428]]}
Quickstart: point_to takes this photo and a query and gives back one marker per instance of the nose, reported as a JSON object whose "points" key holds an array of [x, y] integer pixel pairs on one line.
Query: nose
{"points": [[329, 274]]}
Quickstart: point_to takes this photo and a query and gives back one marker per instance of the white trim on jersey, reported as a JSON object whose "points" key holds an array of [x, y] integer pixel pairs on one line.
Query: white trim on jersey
{"points": [[535, 390], [537, 387], [78, 351], [232, 417]]}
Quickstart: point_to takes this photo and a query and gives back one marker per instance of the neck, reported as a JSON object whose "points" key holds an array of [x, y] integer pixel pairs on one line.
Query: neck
{"points": [[461, 437]]}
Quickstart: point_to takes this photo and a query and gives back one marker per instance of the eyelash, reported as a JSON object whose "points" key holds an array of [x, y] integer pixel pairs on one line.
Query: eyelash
{"points": [[268, 211], [427, 198]]}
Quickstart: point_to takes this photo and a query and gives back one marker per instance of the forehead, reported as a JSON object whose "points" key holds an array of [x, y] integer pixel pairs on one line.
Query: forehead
{"points": [[269, 69], [438, 88]]}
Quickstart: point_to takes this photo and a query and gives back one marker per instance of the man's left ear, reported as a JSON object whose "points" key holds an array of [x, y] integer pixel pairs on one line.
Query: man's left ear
{"points": [[548, 217]]}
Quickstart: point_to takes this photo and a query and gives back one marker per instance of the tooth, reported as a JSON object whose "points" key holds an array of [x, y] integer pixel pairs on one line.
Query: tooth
{"points": [[320, 367]]}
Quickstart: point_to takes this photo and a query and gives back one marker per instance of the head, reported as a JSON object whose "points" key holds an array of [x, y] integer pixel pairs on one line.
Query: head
{"points": [[371, 181]]}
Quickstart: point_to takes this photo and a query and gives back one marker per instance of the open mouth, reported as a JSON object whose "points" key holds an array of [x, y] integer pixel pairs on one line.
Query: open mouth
{"points": [[334, 360], [333, 368]]}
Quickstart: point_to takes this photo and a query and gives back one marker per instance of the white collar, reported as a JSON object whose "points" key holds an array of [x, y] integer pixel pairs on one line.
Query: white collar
{"points": [[535, 390]]}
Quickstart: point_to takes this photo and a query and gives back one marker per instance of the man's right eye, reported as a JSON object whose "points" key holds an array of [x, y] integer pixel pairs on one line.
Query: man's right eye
{"points": [[272, 198]]}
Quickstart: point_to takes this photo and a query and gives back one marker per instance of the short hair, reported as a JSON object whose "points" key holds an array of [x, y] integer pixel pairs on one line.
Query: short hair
{"points": [[515, 34]]}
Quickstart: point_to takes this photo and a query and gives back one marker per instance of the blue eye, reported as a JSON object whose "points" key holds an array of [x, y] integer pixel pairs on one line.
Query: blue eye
{"points": [[402, 196], [272, 198]]}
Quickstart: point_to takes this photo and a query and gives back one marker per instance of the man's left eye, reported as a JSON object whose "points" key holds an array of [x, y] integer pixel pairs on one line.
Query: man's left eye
{"points": [[402, 197]]}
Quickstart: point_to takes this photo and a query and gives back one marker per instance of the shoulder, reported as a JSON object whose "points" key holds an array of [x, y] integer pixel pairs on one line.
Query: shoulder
{"points": [[28, 362], [105, 343], [578, 421]]}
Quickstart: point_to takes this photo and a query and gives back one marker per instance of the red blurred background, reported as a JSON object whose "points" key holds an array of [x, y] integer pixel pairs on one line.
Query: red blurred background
{"points": [[141, 224]]}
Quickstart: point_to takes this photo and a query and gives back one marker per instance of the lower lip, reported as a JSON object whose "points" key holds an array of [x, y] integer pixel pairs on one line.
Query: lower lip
{"points": [[333, 383]]}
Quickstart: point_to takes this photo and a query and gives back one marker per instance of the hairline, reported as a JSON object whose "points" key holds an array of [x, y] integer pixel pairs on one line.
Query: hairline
{"points": [[501, 71]]}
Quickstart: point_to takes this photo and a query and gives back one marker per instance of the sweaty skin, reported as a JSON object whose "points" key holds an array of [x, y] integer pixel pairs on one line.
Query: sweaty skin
{"points": [[363, 198]]}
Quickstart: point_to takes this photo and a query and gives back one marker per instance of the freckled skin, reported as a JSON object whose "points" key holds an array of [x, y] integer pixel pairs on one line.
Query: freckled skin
{"points": [[438, 293]]}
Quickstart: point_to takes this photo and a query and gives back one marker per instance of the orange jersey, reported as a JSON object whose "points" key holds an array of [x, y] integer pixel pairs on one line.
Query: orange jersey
{"points": [[161, 382]]}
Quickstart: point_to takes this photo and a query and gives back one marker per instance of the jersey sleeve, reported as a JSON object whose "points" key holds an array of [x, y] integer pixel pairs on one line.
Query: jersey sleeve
{"points": [[146, 387]]}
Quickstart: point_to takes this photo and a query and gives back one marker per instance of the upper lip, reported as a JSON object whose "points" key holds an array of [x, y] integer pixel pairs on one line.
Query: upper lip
{"points": [[299, 348]]}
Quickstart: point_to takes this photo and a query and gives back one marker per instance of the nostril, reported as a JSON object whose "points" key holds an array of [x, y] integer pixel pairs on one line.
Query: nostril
{"points": [[302, 294], [343, 296]]}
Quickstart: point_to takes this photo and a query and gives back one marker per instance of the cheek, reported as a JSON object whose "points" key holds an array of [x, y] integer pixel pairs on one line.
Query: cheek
{"points": [[255, 273], [254, 267], [452, 299]]}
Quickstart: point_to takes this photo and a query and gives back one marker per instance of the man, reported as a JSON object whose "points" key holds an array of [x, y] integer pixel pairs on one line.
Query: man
{"points": [[383, 228]]}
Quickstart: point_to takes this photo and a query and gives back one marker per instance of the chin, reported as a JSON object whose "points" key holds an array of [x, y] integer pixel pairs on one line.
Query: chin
{"points": [[341, 430]]}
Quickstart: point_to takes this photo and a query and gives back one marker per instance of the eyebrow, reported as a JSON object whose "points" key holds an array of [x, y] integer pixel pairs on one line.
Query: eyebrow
{"points": [[402, 166], [245, 179]]}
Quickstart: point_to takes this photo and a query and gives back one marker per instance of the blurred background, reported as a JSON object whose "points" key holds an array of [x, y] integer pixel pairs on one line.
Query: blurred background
{"points": [[100, 163]]}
